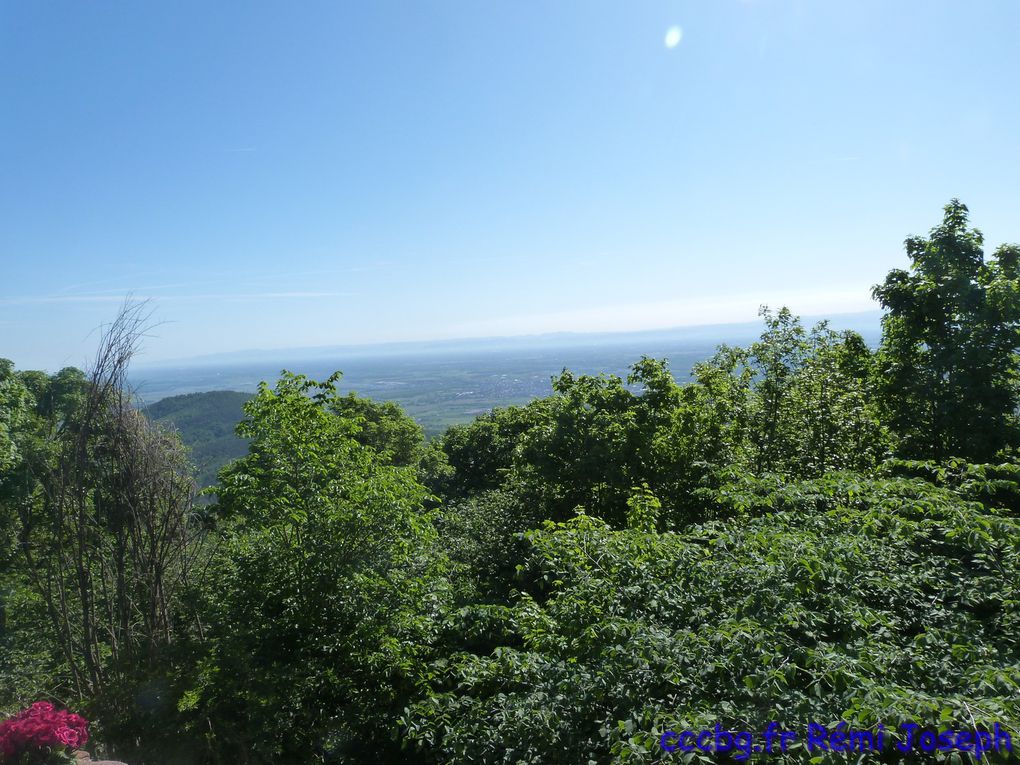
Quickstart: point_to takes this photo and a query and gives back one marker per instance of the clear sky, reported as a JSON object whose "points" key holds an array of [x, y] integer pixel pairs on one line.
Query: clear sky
{"points": [[278, 174]]}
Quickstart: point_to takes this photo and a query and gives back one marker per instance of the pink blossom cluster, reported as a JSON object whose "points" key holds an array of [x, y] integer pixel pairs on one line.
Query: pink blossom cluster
{"points": [[39, 728]]}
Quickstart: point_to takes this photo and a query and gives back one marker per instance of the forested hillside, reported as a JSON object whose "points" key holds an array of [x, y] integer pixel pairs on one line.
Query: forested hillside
{"points": [[810, 532], [206, 424]]}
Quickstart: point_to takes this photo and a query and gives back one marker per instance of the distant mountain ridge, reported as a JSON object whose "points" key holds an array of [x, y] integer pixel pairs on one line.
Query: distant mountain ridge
{"points": [[865, 322]]}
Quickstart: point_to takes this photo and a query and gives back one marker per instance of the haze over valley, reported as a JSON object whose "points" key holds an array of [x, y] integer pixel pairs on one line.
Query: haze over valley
{"points": [[451, 382]]}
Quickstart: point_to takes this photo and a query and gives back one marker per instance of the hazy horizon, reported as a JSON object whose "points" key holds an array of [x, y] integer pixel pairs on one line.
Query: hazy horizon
{"points": [[866, 322]]}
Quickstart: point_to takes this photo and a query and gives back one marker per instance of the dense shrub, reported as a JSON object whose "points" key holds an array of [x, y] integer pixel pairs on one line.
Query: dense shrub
{"points": [[843, 598]]}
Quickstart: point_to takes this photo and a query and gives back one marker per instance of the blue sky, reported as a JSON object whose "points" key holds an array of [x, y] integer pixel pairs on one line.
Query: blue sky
{"points": [[292, 174]]}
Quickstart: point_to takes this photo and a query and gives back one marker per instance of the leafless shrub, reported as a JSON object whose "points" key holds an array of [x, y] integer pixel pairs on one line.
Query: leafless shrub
{"points": [[111, 543]]}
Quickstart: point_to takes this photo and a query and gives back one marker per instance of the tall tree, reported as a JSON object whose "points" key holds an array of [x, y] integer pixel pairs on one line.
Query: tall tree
{"points": [[795, 402], [328, 581], [947, 366]]}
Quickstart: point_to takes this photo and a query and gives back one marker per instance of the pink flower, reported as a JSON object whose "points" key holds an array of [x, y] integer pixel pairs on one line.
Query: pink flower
{"points": [[41, 727], [67, 736]]}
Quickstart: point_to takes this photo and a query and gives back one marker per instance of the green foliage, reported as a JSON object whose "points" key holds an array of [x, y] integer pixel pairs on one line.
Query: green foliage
{"points": [[484, 538], [795, 402], [34, 408], [14, 406], [842, 598], [384, 427], [97, 505], [327, 585], [207, 422], [588, 445], [948, 369], [643, 509], [28, 659], [481, 453], [588, 451], [993, 485]]}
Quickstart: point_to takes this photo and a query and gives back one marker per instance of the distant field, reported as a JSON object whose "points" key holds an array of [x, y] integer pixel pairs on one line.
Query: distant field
{"points": [[438, 391], [204, 403]]}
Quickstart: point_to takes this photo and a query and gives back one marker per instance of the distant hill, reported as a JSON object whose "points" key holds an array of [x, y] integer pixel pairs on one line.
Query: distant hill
{"points": [[206, 423]]}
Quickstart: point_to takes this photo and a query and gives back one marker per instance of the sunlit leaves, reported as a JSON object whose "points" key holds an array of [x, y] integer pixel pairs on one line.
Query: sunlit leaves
{"points": [[329, 582], [947, 367], [842, 598]]}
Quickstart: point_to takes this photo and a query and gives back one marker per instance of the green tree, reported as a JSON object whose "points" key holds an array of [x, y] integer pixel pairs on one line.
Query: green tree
{"points": [[102, 502], [14, 409], [36, 412], [796, 402], [947, 366], [384, 427], [98, 501], [327, 585], [482, 452]]}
